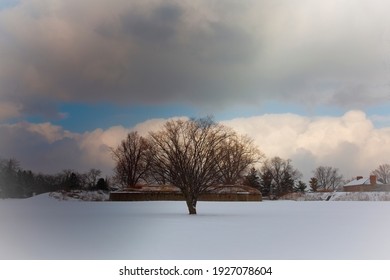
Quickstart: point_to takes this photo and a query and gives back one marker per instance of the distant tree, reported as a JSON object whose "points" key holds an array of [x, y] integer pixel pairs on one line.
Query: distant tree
{"points": [[102, 184], [313, 184], [45, 183], [288, 183], [15, 182], [382, 172], [252, 179], [328, 178], [300, 187], [132, 160], [283, 175], [73, 181], [69, 179], [9, 177], [266, 185], [25, 183], [91, 178], [238, 155]]}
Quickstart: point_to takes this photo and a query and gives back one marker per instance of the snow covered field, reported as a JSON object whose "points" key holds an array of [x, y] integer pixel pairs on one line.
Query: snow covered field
{"points": [[44, 228]]}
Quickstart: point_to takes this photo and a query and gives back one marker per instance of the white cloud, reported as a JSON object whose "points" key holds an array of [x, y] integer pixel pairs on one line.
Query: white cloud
{"points": [[51, 133], [96, 146], [153, 125], [349, 142]]}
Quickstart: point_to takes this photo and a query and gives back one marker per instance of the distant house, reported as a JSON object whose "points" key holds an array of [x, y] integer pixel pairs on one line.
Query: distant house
{"points": [[365, 184], [172, 193]]}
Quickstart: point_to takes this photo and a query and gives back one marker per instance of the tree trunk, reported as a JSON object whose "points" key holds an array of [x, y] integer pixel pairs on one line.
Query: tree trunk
{"points": [[191, 204]]}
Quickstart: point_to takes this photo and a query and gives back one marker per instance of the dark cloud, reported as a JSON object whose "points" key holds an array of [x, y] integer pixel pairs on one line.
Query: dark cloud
{"points": [[50, 149], [42, 107], [141, 54], [205, 54], [35, 152], [157, 28], [360, 95]]}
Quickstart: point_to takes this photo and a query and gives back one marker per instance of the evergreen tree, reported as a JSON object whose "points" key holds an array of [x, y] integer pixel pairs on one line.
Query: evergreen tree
{"points": [[300, 187], [266, 185], [252, 179], [313, 184], [9, 178], [287, 184], [102, 185]]}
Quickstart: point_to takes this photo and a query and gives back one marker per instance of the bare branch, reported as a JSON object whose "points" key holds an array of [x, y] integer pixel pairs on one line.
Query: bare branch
{"points": [[198, 154], [132, 160]]}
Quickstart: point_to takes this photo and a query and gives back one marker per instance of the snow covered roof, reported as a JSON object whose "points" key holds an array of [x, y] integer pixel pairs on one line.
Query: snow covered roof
{"points": [[216, 189], [234, 189], [361, 181]]}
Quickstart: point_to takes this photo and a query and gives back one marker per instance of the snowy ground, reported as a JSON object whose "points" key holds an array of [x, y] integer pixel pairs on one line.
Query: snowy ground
{"points": [[45, 228], [339, 196]]}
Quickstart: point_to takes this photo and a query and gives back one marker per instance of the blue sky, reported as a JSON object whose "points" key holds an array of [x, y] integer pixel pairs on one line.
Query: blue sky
{"points": [[79, 117], [74, 68], [5, 4], [82, 117]]}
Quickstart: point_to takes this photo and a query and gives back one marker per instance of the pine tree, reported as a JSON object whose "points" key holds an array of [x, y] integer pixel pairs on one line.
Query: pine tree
{"points": [[102, 184], [313, 184], [300, 187], [266, 185], [287, 184], [252, 179]]}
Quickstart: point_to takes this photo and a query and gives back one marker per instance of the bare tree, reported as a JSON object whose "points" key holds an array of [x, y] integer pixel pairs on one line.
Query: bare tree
{"points": [[328, 178], [91, 178], [239, 154], [188, 154], [132, 160], [382, 172], [282, 175]]}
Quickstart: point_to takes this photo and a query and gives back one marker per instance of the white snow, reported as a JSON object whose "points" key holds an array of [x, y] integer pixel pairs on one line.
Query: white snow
{"points": [[339, 196], [362, 181], [45, 228]]}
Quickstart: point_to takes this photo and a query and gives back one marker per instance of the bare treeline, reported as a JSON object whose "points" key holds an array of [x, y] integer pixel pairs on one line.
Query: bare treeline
{"points": [[326, 178], [15, 182], [382, 172]]}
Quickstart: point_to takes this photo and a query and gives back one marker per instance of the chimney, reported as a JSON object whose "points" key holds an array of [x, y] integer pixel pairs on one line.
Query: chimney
{"points": [[359, 177], [372, 180]]}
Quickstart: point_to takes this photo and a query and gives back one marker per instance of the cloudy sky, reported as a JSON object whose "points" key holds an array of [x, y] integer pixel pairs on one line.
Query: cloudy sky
{"points": [[309, 80]]}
